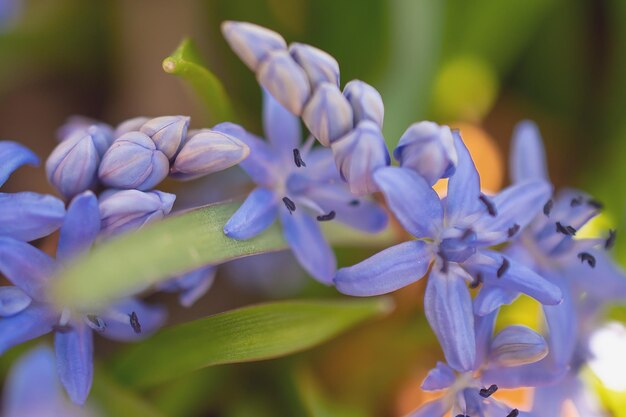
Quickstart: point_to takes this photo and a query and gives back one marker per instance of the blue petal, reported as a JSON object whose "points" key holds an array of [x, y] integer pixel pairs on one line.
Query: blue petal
{"points": [[563, 325], [464, 186], [539, 374], [387, 271], [517, 345], [366, 102], [307, 242], [517, 205], [167, 133], [440, 377], [491, 298], [263, 163], [318, 65], [483, 327], [256, 214], [28, 216], [74, 352], [12, 301], [328, 114], [605, 283], [118, 325], [32, 322], [281, 127], [411, 199], [12, 156], [448, 307], [436, 408], [528, 159], [80, 227], [191, 285], [26, 267], [251, 42], [285, 80]]}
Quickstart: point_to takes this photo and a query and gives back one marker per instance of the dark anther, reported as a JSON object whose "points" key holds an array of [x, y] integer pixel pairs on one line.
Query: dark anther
{"points": [[488, 392], [587, 257], [97, 321], [291, 206], [503, 268], [595, 204], [478, 279], [62, 328], [134, 322], [297, 159], [354, 203], [491, 208], [462, 415], [467, 233], [444, 259], [326, 217], [566, 230], [547, 208], [610, 241], [576, 201], [513, 230], [513, 413]]}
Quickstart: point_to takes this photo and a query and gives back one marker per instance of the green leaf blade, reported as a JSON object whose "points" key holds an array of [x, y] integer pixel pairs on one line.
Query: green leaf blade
{"points": [[248, 334]]}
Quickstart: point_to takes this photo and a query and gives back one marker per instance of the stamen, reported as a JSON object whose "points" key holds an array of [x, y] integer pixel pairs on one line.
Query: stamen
{"points": [[462, 415], [134, 322], [587, 257], [513, 413], [491, 208], [547, 208], [478, 280], [62, 328], [488, 392], [566, 230], [503, 268], [97, 321], [576, 201], [326, 217], [354, 203], [291, 206], [513, 230], [467, 233], [610, 241], [595, 204], [444, 258], [297, 159]]}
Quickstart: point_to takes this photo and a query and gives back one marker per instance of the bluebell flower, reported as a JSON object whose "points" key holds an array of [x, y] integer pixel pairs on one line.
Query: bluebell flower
{"points": [[167, 133], [192, 285], [470, 393], [453, 239], [301, 187], [31, 270], [318, 65], [366, 102], [328, 114], [25, 216]]}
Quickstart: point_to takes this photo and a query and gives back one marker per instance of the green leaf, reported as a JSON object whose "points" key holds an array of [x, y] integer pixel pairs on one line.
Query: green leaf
{"points": [[248, 334], [186, 63]]}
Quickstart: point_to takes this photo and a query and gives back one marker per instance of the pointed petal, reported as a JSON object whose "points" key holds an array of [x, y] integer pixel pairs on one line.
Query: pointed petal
{"points": [[517, 345], [281, 127], [440, 377], [80, 227], [117, 320], [436, 408], [448, 307], [256, 214], [606, 282], [528, 159], [464, 186], [387, 271], [26, 267], [411, 199], [262, 163], [308, 245], [28, 216], [32, 322], [491, 298], [195, 284], [563, 324], [538, 374], [74, 352], [483, 327], [12, 301], [12, 156]]}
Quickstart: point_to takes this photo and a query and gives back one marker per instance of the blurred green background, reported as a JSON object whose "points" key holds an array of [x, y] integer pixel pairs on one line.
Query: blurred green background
{"points": [[482, 65]]}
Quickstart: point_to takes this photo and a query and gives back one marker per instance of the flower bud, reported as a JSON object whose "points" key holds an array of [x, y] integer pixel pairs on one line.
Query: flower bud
{"points": [[358, 154], [428, 149], [126, 210], [517, 345], [102, 132], [328, 114], [167, 133], [318, 65], [133, 161], [366, 102], [251, 42], [72, 167], [285, 80], [206, 152], [130, 125]]}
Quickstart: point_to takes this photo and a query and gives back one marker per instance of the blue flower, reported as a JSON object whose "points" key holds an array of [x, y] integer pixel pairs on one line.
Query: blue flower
{"points": [[453, 237], [192, 285], [32, 314], [301, 187], [469, 393], [25, 216]]}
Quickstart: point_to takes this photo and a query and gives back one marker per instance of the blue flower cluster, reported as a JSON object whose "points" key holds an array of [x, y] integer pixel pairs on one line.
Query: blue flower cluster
{"points": [[478, 252]]}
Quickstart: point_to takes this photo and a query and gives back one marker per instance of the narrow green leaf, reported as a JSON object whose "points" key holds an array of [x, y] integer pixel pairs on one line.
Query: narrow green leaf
{"points": [[248, 334], [186, 63]]}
